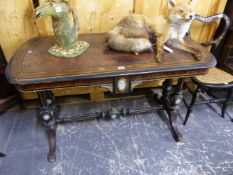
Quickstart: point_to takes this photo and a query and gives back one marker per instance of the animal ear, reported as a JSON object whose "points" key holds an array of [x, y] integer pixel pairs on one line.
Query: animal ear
{"points": [[171, 3]]}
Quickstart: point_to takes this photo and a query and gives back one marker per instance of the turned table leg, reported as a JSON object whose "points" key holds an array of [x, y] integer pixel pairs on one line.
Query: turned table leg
{"points": [[49, 113], [171, 100]]}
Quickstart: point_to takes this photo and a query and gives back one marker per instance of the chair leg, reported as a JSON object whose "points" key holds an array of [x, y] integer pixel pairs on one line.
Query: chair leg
{"points": [[190, 107], [225, 104], [21, 105], [2, 155]]}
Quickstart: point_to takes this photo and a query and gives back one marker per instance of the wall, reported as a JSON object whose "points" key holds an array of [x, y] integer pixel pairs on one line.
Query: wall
{"points": [[18, 23]]}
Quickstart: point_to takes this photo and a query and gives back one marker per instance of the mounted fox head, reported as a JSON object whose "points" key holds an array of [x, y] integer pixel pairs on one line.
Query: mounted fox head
{"points": [[181, 12]]}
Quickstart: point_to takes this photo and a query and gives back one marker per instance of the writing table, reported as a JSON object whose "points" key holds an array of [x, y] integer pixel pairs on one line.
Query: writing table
{"points": [[32, 69]]}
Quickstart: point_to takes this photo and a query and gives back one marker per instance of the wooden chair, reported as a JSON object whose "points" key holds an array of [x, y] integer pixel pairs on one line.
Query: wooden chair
{"points": [[216, 78]]}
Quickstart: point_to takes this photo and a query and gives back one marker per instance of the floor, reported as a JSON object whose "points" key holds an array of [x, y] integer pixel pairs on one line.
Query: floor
{"points": [[133, 145]]}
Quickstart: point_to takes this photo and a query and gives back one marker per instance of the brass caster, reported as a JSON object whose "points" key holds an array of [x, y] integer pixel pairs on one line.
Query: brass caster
{"points": [[51, 157]]}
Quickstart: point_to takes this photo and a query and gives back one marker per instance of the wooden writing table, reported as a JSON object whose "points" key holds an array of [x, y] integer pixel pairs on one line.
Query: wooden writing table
{"points": [[33, 69]]}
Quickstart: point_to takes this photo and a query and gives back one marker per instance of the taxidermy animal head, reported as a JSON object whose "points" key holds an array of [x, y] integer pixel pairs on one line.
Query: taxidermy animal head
{"points": [[181, 12]]}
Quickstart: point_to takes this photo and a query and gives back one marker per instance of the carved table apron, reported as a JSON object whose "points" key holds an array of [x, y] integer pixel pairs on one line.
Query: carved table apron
{"points": [[33, 69]]}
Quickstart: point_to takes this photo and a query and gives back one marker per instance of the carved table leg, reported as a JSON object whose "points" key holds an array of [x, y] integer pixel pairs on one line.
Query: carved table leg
{"points": [[48, 115], [171, 99]]}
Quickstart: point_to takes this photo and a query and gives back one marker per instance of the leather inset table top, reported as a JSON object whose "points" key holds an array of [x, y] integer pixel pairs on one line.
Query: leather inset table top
{"points": [[33, 64]]}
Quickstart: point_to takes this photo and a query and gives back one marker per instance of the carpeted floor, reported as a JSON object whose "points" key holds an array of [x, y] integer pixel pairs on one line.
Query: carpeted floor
{"points": [[133, 145]]}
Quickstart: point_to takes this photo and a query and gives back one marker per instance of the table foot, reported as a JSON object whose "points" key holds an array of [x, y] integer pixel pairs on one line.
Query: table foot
{"points": [[171, 100], [51, 157], [49, 113], [52, 145], [173, 124]]}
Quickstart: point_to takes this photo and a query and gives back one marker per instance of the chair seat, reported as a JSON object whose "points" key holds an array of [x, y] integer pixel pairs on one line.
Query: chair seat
{"points": [[216, 76]]}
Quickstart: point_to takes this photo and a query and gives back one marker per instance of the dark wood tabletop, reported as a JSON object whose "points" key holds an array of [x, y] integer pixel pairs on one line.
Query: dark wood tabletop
{"points": [[33, 65]]}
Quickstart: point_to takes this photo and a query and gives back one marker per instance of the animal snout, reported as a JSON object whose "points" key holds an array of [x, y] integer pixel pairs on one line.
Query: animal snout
{"points": [[191, 16]]}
